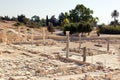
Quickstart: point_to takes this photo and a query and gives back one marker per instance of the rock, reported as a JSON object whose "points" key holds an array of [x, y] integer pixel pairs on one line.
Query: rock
{"points": [[88, 77], [71, 79], [11, 78], [84, 70], [108, 76], [100, 65]]}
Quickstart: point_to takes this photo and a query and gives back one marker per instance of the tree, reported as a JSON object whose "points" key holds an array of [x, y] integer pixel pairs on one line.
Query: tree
{"points": [[43, 22], [13, 19], [65, 21], [72, 27], [50, 28], [115, 14], [61, 18], [6, 18], [23, 19], [53, 20], [84, 27], [35, 19], [47, 21], [80, 13]]}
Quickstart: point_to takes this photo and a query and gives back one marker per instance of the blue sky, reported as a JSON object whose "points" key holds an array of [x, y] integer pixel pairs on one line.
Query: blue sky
{"points": [[101, 8]]}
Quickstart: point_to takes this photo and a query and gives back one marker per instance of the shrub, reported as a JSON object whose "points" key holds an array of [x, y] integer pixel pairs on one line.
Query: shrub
{"points": [[109, 30], [50, 28], [85, 27], [72, 27], [81, 27]]}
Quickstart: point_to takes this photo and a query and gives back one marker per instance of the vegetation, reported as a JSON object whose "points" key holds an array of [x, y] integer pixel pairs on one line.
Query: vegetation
{"points": [[109, 29], [85, 27], [113, 27], [72, 27], [115, 15], [81, 27], [50, 28], [79, 19]]}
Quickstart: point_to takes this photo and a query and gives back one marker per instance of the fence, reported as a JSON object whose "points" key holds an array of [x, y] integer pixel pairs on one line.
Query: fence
{"points": [[72, 46]]}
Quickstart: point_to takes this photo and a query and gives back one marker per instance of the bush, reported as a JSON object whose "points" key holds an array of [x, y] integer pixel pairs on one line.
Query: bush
{"points": [[81, 27], [50, 28], [109, 30], [72, 27]]}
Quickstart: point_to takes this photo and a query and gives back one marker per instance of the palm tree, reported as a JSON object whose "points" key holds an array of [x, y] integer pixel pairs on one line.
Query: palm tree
{"points": [[115, 14]]}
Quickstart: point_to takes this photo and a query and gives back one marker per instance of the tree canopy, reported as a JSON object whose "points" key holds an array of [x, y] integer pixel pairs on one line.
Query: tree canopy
{"points": [[80, 13], [115, 14]]}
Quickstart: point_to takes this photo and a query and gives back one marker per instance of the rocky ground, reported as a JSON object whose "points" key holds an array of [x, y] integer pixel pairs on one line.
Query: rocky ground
{"points": [[40, 62]]}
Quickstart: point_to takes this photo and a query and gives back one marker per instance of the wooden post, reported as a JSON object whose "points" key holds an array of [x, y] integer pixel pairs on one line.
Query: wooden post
{"points": [[32, 38], [84, 54], [108, 44], [67, 45], [25, 33], [43, 35], [79, 41]]}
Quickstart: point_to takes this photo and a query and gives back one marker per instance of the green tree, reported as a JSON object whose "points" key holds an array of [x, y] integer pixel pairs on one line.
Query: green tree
{"points": [[80, 13], [84, 27], [6, 18], [53, 20], [47, 21], [13, 19], [22, 18], [50, 28], [35, 18], [43, 22], [65, 21], [61, 18], [72, 27], [115, 14]]}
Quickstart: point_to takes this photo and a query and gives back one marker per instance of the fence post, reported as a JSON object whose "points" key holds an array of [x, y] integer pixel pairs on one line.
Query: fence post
{"points": [[43, 35], [108, 44], [67, 45], [79, 41], [25, 32], [84, 54], [19, 29]]}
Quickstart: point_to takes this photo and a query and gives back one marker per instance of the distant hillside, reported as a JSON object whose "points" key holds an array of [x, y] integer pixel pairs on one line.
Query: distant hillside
{"points": [[8, 24]]}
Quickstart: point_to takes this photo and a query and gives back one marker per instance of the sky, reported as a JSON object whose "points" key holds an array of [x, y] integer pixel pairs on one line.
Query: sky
{"points": [[102, 8]]}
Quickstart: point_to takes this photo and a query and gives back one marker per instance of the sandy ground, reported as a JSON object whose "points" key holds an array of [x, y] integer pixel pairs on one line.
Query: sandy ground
{"points": [[109, 60], [24, 60]]}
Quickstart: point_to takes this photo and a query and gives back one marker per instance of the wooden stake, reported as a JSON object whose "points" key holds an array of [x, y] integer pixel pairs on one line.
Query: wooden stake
{"points": [[43, 35], [25, 32], [67, 45], [108, 46], [79, 41], [84, 54]]}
